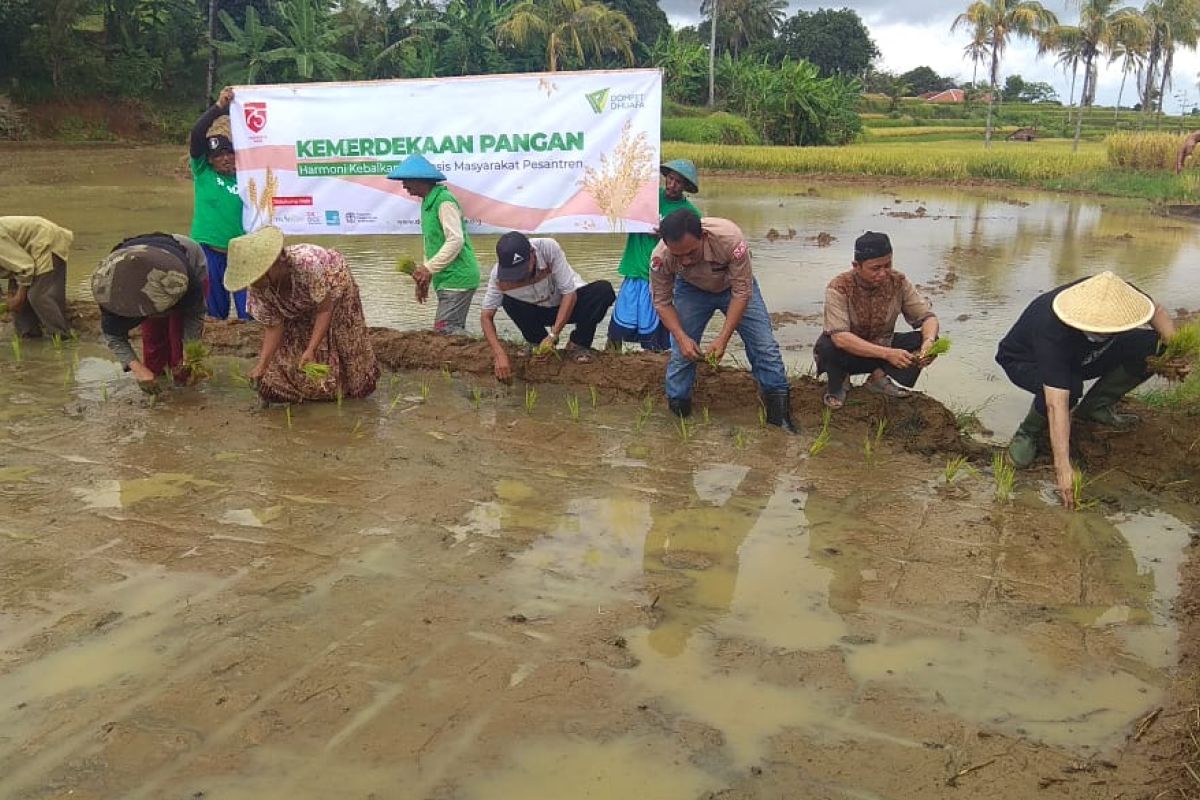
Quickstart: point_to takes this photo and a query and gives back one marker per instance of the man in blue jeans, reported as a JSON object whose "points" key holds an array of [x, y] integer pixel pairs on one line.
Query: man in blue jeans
{"points": [[703, 266]]}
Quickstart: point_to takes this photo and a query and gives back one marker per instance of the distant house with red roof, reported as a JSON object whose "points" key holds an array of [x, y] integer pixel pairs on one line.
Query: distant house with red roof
{"points": [[947, 96]]}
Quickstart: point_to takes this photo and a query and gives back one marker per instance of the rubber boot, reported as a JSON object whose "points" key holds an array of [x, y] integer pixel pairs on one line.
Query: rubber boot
{"points": [[779, 409], [1099, 404], [1023, 449], [681, 408]]}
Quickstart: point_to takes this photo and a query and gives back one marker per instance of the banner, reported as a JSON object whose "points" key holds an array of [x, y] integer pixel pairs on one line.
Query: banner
{"points": [[562, 152]]}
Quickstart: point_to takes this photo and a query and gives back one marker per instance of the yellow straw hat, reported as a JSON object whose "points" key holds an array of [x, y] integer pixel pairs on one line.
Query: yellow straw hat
{"points": [[250, 257], [1103, 304]]}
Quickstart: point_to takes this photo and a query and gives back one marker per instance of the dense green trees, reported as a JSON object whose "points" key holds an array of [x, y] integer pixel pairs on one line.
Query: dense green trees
{"points": [[836, 42]]}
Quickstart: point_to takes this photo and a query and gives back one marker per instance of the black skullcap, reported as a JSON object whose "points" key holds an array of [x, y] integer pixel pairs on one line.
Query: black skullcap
{"points": [[871, 245]]}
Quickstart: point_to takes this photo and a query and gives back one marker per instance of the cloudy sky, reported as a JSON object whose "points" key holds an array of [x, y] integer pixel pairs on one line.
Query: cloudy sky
{"points": [[912, 33]]}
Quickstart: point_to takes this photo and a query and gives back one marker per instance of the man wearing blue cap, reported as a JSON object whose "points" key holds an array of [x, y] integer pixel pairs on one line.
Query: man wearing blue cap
{"points": [[450, 264], [634, 318]]}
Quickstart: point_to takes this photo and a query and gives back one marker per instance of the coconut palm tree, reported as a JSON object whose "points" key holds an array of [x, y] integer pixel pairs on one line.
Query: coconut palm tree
{"points": [[1101, 23], [1172, 23], [1130, 49], [570, 28], [977, 50], [744, 22], [1063, 41], [1000, 20]]}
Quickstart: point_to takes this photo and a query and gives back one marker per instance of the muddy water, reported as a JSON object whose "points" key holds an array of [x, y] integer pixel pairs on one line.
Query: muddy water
{"points": [[408, 598], [981, 254]]}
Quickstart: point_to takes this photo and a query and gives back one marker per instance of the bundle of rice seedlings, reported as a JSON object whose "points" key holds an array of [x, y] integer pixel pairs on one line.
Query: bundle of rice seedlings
{"points": [[316, 372], [1176, 360], [195, 359], [406, 265], [939, 347]]}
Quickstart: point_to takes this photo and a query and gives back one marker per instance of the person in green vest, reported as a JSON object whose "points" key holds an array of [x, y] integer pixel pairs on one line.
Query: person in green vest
{"points": [[634, 318], [450, 264], [217, 217]]}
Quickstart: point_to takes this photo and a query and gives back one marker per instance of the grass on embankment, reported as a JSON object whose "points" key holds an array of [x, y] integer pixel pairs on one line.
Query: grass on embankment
{"points": [[1046, 164]]}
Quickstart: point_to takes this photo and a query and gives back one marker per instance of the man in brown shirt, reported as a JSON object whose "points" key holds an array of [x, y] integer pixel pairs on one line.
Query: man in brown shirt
{"points": [[861, 309], [703, 266]]}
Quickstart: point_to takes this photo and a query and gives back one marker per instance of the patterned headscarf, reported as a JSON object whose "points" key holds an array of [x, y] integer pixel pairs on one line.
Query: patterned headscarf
{"points": [[139, 281]]}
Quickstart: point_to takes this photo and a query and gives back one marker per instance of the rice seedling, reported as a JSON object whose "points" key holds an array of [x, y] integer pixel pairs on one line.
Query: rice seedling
{"points": [[823, 436], [287, 412], [238, 378], [195, 359], [1003, 474], [56, 341], [73, 335], [339, 396], [393, 381], [955, 467], [573, 407], [938, 348], [405, 265], [531, 398], [713, 359], [684, 429], [446, 373], [104, 393], [316, 373], [395, 402], [762, 414], [704, 415], [647, 405], [545, 349], [880, 429], [1079, 482], [16, 347], [424, 390], [1179, 396], [355, 432], [68, 375], [595, 396], [739, 438], [476, 397], [639, 422]]}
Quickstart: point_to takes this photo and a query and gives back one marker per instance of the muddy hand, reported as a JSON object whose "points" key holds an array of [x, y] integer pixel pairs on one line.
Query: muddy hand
{"points": [[689, 349], [1066, 487]]}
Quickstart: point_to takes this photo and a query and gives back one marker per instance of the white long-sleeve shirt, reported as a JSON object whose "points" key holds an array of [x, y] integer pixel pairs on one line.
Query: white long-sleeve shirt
{"points": [[452, 227]]}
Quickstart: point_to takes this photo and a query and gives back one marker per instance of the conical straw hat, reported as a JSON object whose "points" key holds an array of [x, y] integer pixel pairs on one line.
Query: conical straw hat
{"points": [[1103, 304], [250, 257]]}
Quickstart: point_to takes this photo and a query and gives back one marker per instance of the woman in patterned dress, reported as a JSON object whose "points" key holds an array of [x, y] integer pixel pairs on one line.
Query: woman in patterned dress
{"points": [[308, 302]]}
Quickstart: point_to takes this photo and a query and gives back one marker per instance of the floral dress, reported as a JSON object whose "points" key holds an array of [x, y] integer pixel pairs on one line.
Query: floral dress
{"points": [[316, 274]]}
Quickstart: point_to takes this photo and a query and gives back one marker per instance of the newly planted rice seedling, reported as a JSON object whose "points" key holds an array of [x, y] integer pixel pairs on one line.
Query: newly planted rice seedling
{"points": [[357, 428], [104, 394], [476, 396], [424, 390], [195, 359], [395, 402], [762, 414], [684, 429], [56, 341], [647, 405], [316, 372], [68, 375], [713, 359], [739, 438], [531, 398], [339, 396], [1079, 482], [287, 412], [595, 396], [822, 440], [446, 373], [573, 407], [1004, 474], [704, 414], [16, 347], [954, 467]]}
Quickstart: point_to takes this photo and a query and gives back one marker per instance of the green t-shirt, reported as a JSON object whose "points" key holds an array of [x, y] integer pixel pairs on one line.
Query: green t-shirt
{"points": [[218, 214], [462, 273], [635, 261]]}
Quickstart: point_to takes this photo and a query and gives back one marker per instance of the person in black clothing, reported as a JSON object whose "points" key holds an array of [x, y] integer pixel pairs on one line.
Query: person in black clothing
{"points": [[1090, 329]]}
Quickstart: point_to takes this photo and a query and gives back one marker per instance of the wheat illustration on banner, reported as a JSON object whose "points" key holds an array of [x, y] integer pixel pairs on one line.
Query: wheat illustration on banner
{"points": [[264, 207], [621, 174]]}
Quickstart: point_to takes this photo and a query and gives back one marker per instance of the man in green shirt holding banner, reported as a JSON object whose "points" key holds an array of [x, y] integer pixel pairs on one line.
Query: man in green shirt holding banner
{"points": [[634, 318], [450, 264]]}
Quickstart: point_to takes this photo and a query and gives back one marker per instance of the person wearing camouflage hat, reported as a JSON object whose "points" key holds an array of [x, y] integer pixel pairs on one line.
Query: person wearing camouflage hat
{"points": [[634, 318], [157, 281]]}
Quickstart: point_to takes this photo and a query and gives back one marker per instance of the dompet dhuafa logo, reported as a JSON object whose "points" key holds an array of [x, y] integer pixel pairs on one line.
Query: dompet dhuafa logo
{"points": [[598, 100]]}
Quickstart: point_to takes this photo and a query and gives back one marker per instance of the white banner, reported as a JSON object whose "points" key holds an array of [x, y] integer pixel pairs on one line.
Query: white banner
{"points": [[563, 152]]}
